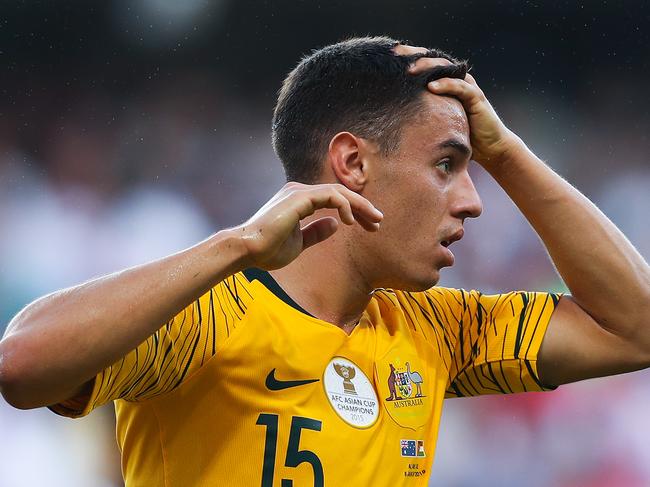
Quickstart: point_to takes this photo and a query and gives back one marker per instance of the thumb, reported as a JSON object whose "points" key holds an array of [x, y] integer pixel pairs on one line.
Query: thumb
{"points": [[318, 230]]}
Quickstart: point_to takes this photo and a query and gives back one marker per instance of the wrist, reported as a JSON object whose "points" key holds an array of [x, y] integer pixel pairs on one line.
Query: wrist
{"points": [[507, 150], [228, 247]]}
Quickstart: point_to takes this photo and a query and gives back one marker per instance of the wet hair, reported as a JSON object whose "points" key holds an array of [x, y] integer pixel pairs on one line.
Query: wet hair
{"points": [[359, 85]]}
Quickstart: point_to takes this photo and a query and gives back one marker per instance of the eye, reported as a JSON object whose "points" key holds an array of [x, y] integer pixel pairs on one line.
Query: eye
{"points": [[445, 166]]}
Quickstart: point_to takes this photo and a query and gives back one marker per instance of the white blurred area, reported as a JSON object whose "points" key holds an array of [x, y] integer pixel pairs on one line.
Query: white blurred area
{"points": [[38, 448], [157, 24], [116, 180]]}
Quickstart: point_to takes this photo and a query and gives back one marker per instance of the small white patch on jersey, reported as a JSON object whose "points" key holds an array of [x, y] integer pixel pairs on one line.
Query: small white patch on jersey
{"points": [[350, 393]]}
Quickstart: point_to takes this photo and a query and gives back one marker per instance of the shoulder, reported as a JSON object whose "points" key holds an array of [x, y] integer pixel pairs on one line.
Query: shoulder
{"points": [[436, 307], [235, 292], [436, 297]]}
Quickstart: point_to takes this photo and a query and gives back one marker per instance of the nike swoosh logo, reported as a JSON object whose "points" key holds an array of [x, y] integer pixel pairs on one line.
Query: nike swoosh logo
{"points": [[274, 384]]}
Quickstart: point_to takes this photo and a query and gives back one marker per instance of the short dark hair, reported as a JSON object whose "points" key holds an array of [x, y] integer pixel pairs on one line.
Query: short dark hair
{"points": [[359, 85]]}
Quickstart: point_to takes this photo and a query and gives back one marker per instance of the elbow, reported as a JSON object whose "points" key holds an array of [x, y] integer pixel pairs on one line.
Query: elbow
{"points": [[12, 379], [7, 375], [644, 322]]}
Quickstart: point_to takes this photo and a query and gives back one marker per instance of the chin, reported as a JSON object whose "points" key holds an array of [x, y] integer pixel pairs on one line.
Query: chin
{"points": [[416, 281], [425, 284]]}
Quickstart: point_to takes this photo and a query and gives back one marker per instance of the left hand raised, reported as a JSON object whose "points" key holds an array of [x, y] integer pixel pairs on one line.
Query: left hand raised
{"points": [[491, 140]]}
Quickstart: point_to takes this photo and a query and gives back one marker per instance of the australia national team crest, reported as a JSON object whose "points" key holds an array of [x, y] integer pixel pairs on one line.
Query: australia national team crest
{"points": [[402, 385]]}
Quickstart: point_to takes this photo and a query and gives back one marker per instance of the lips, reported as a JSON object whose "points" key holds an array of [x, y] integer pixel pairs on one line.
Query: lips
{"points": [[446, 242], [454, 237]]}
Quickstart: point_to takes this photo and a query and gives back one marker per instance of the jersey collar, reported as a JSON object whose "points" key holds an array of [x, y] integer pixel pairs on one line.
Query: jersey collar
{"points": [[272, 285]]}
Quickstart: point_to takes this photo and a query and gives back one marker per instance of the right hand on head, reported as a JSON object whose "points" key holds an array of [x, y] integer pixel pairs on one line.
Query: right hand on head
{"points": [[273, 237]]}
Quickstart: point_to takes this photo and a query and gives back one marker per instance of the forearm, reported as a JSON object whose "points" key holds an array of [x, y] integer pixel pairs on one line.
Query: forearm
{"points": [[62, 340], [606, 275]]}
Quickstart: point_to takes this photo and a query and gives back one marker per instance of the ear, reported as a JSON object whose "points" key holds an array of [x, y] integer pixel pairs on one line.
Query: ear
{"points": [[348, 160]]}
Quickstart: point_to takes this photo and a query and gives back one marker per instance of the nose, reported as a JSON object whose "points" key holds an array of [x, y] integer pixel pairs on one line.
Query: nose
{"points": [[466, 201]]}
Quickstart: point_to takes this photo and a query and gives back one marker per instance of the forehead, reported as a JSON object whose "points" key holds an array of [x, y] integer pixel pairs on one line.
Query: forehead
{"points": [[440, 118]]}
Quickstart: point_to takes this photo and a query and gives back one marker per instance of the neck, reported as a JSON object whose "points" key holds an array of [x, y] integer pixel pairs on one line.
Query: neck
{"points": [[326, 283]]}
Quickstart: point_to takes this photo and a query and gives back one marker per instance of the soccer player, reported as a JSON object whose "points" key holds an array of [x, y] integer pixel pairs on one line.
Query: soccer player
{"points": [[309, 345]]}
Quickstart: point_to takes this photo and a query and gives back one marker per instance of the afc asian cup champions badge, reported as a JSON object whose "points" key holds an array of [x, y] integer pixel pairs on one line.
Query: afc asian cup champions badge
{"points": [[350, 393]]}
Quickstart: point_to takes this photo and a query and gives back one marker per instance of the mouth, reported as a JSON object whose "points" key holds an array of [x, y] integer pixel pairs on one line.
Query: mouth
{"points": [[446, 242], [454, 237]]}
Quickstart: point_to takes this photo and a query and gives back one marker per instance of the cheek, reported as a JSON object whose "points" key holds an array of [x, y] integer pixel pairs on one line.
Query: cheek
{"points": [[411, 225], [422, 205], [413, 201]]}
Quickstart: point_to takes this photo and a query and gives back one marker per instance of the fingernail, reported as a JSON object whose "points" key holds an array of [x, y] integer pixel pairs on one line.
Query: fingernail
{"points": [[434, 85]]}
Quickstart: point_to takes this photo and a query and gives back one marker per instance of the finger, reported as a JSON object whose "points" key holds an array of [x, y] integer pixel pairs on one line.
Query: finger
{"points": [[361, 207], [464, 91], [406, 50], [344, 207], [427, 63], [321, 196], [470, 79], [350, 205], [354, 207], [338, 196], [361, 219], [318, 230]]}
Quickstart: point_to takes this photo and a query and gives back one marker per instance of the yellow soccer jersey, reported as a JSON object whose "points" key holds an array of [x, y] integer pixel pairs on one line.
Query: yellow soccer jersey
{"points": [[245, 388]]}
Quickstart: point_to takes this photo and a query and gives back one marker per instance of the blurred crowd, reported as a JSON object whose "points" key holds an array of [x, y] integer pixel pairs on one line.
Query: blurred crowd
{"points": [[112, 188], [95, 180]]}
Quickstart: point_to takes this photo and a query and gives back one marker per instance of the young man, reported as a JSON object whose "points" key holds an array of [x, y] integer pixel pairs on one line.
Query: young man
{"points": [[331, 369]]}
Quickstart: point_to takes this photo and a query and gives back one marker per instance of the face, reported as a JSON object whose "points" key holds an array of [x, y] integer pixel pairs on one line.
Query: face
{"points": [[425, 192]]}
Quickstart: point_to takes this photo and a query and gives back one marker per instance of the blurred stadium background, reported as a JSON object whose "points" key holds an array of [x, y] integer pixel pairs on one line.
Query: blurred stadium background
{"points": [[131, 129]]}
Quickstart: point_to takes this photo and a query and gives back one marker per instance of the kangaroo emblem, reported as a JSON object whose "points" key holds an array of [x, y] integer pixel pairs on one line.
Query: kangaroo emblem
{"points": [[391, 384]]}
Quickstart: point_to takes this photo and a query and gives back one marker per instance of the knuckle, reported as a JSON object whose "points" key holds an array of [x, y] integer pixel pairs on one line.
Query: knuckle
{"points": [[320, 188], [440, 61], [296, 193], [406, 49], [333, 191], [290, 187]]}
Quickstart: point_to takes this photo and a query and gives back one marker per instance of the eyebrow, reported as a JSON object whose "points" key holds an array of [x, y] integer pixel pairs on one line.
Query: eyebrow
{"points": [[456, 144]]}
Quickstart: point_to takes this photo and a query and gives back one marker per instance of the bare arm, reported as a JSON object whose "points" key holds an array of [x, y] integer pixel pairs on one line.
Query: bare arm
{"points": [[57, 344], [62, 340], [604, 328]]}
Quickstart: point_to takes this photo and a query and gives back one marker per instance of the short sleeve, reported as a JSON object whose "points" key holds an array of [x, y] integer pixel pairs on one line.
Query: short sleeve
{"points": [[169, 356], [489, 343]]}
